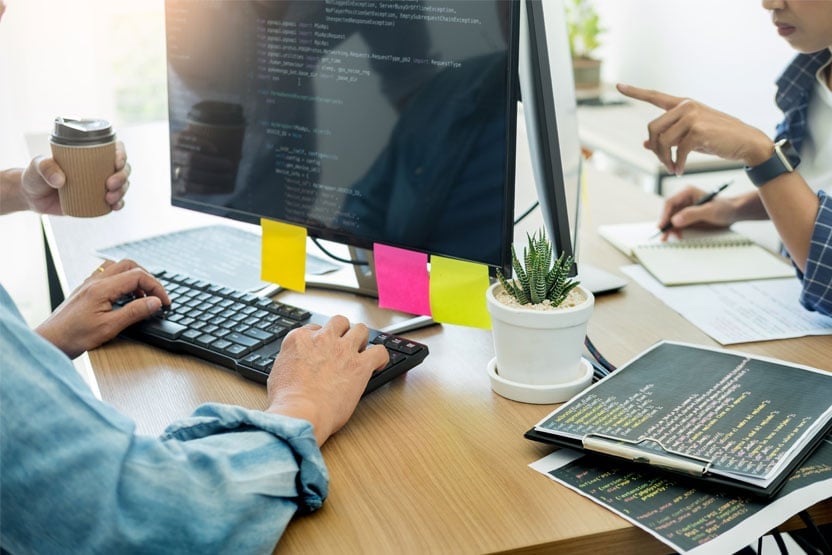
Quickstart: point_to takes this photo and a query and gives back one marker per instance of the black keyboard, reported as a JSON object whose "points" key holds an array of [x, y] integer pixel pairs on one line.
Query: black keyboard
{"points": [[243, 332]]}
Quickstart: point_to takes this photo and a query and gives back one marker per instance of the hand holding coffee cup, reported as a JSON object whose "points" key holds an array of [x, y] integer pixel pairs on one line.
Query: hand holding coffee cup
{"points": [[85, 149]]}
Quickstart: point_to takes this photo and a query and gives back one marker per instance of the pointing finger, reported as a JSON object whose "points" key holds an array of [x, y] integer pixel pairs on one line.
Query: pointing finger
{"points": [[656, 98]]}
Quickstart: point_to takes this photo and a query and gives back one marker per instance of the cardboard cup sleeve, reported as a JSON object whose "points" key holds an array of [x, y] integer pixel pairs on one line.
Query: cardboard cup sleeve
{"points": [[87, 169]]}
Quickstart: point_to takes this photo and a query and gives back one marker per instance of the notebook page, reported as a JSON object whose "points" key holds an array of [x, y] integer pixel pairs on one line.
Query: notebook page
{"points": [[626, 237], [680, 263]]}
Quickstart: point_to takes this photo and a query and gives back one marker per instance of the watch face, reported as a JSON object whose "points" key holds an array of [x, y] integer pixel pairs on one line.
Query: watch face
{"points": [[787, 153]]}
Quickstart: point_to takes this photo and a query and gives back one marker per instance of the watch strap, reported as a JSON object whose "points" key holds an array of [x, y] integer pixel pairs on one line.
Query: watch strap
{"points": [[784, 160]]}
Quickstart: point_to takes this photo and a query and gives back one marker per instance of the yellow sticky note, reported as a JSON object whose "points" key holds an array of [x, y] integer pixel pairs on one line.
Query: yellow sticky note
{"points": [[283, 256], [457, 292]]}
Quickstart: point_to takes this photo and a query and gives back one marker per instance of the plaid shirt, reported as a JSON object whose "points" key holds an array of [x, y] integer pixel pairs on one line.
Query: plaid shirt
{"points": [[794, 88], [817, 281]]}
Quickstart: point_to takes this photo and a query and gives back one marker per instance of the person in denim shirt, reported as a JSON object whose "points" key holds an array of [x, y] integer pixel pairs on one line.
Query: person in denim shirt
{"points": [[75, 477], [797, 202]]}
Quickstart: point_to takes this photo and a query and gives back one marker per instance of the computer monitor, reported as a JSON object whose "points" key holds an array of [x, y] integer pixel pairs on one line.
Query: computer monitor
{"points": [[383, 122], [551, 115], [550, 111], [388, 123]]}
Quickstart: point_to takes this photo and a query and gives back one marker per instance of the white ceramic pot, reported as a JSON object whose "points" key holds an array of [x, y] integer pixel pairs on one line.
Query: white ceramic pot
{"points": [[540, 349]]}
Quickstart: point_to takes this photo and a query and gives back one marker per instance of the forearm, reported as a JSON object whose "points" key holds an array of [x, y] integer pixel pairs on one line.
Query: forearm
{"points": [[226, 480], [792, 206], [210, 486], [11, 194], [749, 206]]}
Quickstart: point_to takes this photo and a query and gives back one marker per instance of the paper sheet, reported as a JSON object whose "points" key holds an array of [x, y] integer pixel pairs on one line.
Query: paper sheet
{"points": [[402, 279], [689, 520], [739, 312], [457, 292], [283, 255]]}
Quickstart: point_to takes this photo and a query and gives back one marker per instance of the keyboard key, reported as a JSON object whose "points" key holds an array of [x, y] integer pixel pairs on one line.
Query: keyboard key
{"points": [[245, 332], [163, 328]]}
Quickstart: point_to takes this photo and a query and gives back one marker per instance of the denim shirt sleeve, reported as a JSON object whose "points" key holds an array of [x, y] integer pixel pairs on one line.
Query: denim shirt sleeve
{"points": [[76, 478], [817, 279]]}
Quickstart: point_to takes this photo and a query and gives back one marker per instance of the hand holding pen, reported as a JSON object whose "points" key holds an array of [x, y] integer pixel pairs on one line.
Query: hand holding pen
{"points": [[704, 199]]}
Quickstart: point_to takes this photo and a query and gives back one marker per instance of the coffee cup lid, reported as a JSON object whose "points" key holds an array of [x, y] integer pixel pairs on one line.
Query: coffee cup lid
{"points": [[72, 131]]}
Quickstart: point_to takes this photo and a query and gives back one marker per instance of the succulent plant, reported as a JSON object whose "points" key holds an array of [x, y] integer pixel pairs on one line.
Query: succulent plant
{"points": [[540, 277]]}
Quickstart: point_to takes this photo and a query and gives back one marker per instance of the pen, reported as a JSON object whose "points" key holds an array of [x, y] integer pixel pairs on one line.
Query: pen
{"points": [[702, 200]]}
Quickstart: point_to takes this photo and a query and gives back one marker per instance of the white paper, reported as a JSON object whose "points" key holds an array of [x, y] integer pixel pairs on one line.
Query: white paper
{"points": [[739, 312], [748, 528]]}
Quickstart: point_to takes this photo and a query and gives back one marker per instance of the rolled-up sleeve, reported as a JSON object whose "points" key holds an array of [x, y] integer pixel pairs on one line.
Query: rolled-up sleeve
{"points": [[76, 478], [817, 279]]}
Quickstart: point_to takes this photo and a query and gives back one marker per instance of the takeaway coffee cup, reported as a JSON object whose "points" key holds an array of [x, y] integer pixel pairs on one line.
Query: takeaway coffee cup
{"points": [[86, 151]]}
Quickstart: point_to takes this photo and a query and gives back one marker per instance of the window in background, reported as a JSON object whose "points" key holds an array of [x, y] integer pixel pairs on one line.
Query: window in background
{"points": [[89, 57], [137, 61]]}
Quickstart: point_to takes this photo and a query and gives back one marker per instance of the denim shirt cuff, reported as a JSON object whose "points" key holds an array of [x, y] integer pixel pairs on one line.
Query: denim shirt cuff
{"points": [[214, 418]]}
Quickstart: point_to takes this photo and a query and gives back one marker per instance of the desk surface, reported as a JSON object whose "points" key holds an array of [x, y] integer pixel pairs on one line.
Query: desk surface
{"points": [[434, 462]]}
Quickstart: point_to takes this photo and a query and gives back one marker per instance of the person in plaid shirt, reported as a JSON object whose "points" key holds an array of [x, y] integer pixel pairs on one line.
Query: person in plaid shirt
{"points": [[796, 200]]}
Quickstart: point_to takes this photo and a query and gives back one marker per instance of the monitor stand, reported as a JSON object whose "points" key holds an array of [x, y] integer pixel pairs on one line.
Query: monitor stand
{"points": [[360, 280], [599, 281]]}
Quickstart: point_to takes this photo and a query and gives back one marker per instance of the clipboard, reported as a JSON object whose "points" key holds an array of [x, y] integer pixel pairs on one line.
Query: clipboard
{"points": [[687, 469], [674, 385]]}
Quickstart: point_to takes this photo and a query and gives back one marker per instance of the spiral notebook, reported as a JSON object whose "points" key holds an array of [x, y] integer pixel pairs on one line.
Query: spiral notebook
{"points": [[701, 256]]}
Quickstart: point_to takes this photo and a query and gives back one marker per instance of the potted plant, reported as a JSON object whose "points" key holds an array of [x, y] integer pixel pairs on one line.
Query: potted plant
{"points": [[584, 28], [539, 322]]}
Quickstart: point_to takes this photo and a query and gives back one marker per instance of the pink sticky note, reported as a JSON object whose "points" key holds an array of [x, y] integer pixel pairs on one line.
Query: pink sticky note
{"points": [[402, 279]]}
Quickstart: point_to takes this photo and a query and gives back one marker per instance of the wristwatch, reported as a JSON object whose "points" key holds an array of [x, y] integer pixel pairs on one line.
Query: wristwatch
{"points": [[784, 160]]}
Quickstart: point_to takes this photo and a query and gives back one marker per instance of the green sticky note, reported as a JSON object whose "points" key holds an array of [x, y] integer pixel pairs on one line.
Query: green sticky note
{"points": [[283, 256], [457, 292]]}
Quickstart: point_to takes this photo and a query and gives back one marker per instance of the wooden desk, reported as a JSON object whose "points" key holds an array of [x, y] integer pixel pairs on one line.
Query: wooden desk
{"points": [[434, 462]]}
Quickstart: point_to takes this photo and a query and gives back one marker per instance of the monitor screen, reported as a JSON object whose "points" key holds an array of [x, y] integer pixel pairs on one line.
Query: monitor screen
{"points": [[364, 122]]}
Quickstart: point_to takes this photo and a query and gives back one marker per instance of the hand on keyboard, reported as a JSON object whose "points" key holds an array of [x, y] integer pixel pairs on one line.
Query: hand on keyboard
{"points": [[321, 373], [85, 319], [245, 332]]}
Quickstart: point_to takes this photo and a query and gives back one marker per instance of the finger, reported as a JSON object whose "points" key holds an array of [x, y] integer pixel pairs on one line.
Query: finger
{"points": [[117, 267], [666, 132], [135, 311], [656, 98], [358, 335], [137, 280], [121, 157], [677, 202], [117, 181], [377, 355], [117, 188], [101, 270], [682, 151], [115, 199], [339, 325], [689, 216], [50, 171]]}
